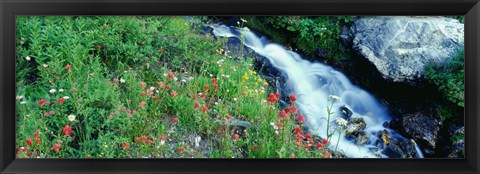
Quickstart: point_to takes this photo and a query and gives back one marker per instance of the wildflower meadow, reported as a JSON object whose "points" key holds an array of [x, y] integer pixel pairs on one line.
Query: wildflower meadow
{"points": [[149, 87]]}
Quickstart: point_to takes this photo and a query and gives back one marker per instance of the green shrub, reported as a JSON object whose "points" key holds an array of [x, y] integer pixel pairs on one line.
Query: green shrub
{"points": [[311, 34], [449, 78]]}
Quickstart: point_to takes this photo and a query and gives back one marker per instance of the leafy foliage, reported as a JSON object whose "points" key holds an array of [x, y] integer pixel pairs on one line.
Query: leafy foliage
{"points": [[449, 78], [318, 35]]}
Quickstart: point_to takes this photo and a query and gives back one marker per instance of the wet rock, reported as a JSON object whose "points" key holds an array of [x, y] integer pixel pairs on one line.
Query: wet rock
{"points": [[384, 138], [400, 47], [355, 125], [362, 138], [401, 148], [345, 113], [458, 143], [423, 129]]}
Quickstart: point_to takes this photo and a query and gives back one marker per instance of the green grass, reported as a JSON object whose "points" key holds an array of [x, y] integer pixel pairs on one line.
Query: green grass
{"points": [[120, 69]]}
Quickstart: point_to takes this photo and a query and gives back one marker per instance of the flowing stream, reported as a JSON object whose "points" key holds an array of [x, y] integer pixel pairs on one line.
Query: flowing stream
{"points": [[315, 84]]}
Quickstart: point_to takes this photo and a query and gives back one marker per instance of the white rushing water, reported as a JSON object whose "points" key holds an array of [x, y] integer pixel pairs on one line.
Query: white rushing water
{"points": [[314, 83]]}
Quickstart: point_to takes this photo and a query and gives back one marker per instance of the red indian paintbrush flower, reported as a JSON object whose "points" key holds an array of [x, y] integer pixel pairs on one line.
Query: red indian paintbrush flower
{"points": [[170, 75], [325, 141], [215, 86], [279, 125], [204, 108], [228, 117], [29, 141], [143, 84], [181, 149], [142, 104], [300, 118], [149, 91], [174, 93], [56, 147], [61, 100], [308, 136], [203, 95], [277, 95], [161, 84], [214, 80], [196, 105], [162, 138], [292, 98], [68, 67], [175, 120], [283, 114], [99, 46], [156, 98], [292, 155], [67, 130], [236, 137], [125, 146], [168, 87], [272, 98], [35, 135], [41, 102], [319, 146], [207, 87], [298, 131], [37, 140]]}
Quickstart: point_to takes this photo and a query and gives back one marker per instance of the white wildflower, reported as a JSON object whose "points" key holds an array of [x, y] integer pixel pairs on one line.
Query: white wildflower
{"points": [[341, 121], [53, 91], [66, 97], [197, 141], [71, 117], [235, 99], [44, 65], [28, 58], [19, 97], [243, 20], [23, 102], [61, 90], [335, 97], [152, 88], [122, 80]]}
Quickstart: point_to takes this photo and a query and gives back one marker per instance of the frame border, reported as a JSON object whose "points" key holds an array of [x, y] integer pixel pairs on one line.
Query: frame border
{"points": [[11, 8]]}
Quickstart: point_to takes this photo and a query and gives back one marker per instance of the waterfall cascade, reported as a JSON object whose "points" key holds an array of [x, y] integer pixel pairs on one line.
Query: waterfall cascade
{"points": [[315, 84]]}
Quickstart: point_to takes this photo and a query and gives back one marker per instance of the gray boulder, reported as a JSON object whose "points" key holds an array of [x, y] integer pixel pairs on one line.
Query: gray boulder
{"points": [[355, 125], [401, 46]]}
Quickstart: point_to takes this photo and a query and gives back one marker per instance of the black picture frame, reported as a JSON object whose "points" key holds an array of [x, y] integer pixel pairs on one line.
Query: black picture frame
{"points": [[11, 8]]}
